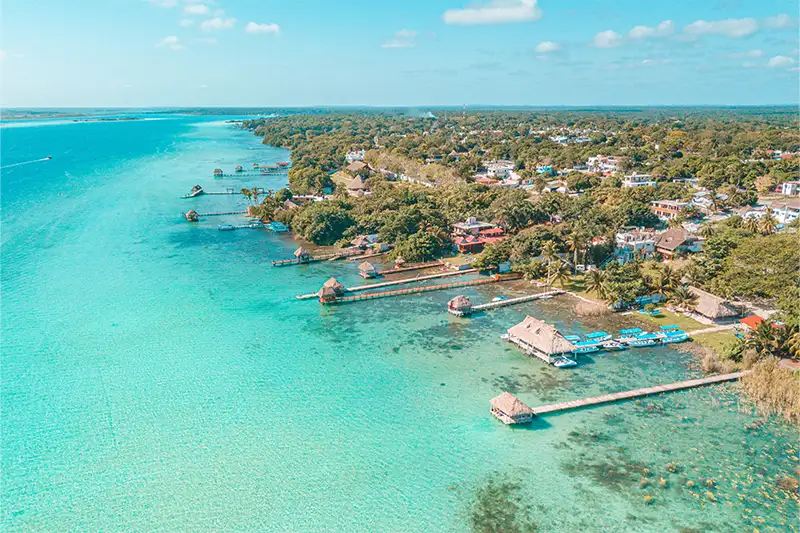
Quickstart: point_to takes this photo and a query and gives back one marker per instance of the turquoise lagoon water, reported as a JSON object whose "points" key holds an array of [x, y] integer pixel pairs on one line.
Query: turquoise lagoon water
{"points": [[159, 376]]}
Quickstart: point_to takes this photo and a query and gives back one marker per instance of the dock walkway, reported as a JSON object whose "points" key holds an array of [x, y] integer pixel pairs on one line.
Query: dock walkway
{"points": [[418, 290], [504, 303], [409, 268], [221, 213], [392, 283], [637, 393]]}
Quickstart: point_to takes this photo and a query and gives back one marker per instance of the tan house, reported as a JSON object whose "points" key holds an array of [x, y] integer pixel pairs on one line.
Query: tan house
{"points": [[356, 186], [677, 241], [537, 338], [713, 307], [510, 410]]}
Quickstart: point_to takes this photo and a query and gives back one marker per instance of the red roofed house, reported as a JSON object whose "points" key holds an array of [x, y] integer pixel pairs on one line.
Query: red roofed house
{"points": [[752, 322]]}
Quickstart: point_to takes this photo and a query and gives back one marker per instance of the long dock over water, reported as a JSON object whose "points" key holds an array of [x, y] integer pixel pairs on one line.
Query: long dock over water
{"points": [[637, 393], [396, 282], [418, 290], [317, 258], [504, 303], [221, 213], [409, 268]]}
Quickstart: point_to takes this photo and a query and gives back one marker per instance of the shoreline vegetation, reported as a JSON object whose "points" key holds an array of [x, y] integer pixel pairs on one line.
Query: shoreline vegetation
{"points": [[416, 177]]}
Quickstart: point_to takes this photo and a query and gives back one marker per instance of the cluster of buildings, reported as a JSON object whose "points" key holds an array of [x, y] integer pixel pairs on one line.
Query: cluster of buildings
{"points": [[785, 211], [472, 235], [641, 243], [605, 164]]}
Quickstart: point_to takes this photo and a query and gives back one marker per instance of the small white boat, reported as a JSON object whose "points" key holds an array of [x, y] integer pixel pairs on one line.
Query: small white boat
{"points": [[586, 347], [504, 336], [548, 297], [673, 337], [613, 346], [499, 298], [561, 361]]}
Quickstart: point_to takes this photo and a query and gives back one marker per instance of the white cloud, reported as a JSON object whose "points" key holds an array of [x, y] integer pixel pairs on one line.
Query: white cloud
{"points": [[254, 27], [644, 32], [162, 3], [196, 9], [546, 47], [185, 23], [729, 28], [402, 39], [217, 23], [779, 22], [171, 42], [749, 53], [780, 62], [607, 39], [494, 12]]}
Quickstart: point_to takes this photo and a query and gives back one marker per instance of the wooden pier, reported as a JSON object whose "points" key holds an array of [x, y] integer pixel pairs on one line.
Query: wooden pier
{"points": [[504, 303], [409, 268], [392, 283], [419, 290], [317, 258], [221, 213], [637, 393]]}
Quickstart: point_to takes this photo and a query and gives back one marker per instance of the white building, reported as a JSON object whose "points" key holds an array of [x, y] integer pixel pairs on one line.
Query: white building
{"points": [[355, 155], [634, 243], [498, 169], [604, 163], [786, 211], [638, 180], [790, 188]]}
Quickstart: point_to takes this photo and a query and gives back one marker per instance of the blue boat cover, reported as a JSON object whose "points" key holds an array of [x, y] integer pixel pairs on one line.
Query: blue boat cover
{"points": [[596, 334], [670, 327], [630, 331]]}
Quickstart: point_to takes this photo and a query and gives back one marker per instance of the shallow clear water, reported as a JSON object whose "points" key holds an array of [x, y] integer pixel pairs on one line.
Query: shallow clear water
{"points": [[159, 375]]}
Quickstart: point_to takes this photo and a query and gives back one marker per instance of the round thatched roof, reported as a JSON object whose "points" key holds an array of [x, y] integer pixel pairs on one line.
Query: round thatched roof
{"points": [[399, 260], [459, 302], [366, 265], [334, 284], [301, 252]]}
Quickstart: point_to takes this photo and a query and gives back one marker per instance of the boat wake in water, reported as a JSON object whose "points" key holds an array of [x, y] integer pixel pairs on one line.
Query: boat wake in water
{"points": [[48, 158]]}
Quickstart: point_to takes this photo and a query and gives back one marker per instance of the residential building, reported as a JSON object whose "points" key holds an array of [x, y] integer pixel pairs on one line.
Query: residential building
{"points": [[472, 226], [635, 243], [355, 155], [556, 186], [357, 167], [667, 209], [678, 241], [498, 169], [786, 211], [790, 188], [638, 180], [510, 410], [604, 163]]}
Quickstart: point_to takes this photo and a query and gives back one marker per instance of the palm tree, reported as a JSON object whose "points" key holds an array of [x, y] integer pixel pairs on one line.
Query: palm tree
{"points": [[707, 231], [764, 339], [561, 274], [247, 194], [596, 283], [793, 344], [767, 223], [576, 243], [751, 225], [254, 192], [674, 223], [683, 298], [549, 253]]}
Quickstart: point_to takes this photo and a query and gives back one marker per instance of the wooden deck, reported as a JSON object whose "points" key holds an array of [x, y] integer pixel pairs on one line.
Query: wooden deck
{"points": [[221, 213], [391, 283], [418, 290], [637, 393], [317, 258], [409, 268]]}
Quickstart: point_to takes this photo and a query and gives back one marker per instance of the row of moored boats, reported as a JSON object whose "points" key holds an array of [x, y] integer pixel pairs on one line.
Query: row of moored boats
{"points": [[628, 338]]}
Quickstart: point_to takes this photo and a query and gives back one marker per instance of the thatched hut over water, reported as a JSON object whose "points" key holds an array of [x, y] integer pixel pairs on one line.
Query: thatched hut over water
{"points": [[367, 270], [510, 410], [459, 306], [192, 215], [331, 290], [536, 337], [302, 255]]}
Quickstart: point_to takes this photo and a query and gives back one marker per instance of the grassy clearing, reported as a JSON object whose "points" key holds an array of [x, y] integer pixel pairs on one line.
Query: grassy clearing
{"points": [[341, 179], [668, 318], [716, 341]]}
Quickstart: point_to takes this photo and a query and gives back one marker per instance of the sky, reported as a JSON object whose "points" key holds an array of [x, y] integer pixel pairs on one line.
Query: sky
{"points": [[125, 53]]}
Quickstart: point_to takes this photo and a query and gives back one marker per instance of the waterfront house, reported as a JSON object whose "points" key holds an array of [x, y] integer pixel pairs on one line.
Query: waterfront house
{"points": [[790, 188], [331, 290], [192, 215], [302, 255], [459, 306], [367, 270], [218, 172], [667, 209], [510, 410], [678, 241], [638, 180], [365, 241], [468, 244], [713, 307], [472, 226], [537, 338], [636, 243], [239, 168]]}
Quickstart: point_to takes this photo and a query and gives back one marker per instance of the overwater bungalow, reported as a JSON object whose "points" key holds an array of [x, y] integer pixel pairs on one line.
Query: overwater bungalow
{"points": [[239, 168], [218, 172], [302, 255], [331, 290], [367, 270], [713, 307], [459, 306], [197, 190], [537, 338], [282, 164], [256, 165], [191, 215], [510, 410]]}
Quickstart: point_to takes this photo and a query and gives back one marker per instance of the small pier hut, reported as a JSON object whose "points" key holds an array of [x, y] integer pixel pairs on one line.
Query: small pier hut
{"points": [[536, 337], [239, 168], [218, 172], [302, 255], [367, 270], [256, 165], [197, 190], [331, 290], [399, 261], [510, 410], [282, 164], [191, 215], [459, 306]]}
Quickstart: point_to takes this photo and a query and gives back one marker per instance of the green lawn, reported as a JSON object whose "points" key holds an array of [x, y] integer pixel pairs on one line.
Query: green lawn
{"points": [[668, 318], [717, 340]]}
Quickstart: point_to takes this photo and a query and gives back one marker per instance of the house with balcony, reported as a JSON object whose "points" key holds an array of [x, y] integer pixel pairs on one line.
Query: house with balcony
{"points": [[638, 180], [667, 209], [678, 241], [604, 164], [786, 211], [790, 188], [634, 243]]}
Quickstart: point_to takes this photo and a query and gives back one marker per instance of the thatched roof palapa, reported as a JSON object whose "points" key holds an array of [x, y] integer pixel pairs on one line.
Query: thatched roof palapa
{"points": [[510, 405], [366, 266], [356, 184], [712, 306], [459, 302], [541, 336], [301, 252], [334, 284]]}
